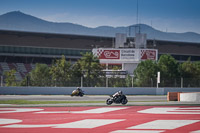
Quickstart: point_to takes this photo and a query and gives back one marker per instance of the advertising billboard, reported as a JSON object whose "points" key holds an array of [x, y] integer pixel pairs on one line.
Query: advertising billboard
{"points": [[109, 54], [125, 54], [148, 54]]}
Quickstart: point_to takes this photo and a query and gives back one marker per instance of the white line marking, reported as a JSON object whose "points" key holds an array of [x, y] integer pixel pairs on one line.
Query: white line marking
{"points": [[52, 112], [96, 111], [100, 110], [87, 123], [198, 131], [193, 109], [138, 131], [17, 110], [29, 126], [164, 124], [9, 121], [4, 104], [172, 110]]}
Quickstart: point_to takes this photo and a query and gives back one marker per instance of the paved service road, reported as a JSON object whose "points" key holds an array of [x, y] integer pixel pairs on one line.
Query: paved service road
{"points": [[84, 98]]}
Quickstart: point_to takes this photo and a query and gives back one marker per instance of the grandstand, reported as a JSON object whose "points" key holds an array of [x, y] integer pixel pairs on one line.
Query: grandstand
{"points": [[22, 50], [181, 51]]}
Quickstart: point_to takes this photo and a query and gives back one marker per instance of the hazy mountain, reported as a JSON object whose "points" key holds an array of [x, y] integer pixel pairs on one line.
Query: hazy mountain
{"points": [[22, 22]]}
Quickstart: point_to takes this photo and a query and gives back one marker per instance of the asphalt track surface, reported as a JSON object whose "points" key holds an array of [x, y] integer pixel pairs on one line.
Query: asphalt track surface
{"points": [[104, 119], [133, 100], [84, 98]]}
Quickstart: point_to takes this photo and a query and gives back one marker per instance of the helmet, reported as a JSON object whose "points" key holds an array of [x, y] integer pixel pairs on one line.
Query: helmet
{"points": [[120, 92], [78, 88]]}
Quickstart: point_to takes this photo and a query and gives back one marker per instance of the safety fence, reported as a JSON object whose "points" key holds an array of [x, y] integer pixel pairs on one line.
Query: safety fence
{"points": [[128, 82], [92, 90], [113, 82]]}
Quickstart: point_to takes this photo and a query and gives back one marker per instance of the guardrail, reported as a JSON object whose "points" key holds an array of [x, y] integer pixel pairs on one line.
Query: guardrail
{"points": [[91, 90]]}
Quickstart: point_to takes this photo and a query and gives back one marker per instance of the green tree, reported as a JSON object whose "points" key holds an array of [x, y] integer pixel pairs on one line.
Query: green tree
{"points": [[188, 69], [115, 80], [89, 67], [76, 74], [25, 81], [197, 66], [61, 72], [128, 81], [145, 73], [168, 68], [76, 70], [40, 75], [10, 78], [190, 72]]}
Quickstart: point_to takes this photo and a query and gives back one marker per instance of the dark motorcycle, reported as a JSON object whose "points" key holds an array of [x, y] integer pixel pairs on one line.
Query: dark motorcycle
{"points": [[119, 99], [77, 93]]}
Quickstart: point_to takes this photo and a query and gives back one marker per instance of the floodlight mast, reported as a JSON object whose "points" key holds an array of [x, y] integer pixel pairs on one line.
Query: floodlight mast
{"points": [[137, 24], [137, 14]]}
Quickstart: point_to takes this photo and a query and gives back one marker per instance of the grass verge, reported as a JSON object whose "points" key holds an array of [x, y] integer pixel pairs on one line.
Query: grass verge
{"points": [[44, 102]]}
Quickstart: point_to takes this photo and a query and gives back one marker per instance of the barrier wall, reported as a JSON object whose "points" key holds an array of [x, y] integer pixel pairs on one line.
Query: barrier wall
{"points": [[190, 97], [90, 90]]}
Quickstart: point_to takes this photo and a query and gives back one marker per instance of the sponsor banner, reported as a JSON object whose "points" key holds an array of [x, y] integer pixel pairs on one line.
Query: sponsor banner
{"points": [[148, 54], [107, 54], [110, 54], [126, 54]]}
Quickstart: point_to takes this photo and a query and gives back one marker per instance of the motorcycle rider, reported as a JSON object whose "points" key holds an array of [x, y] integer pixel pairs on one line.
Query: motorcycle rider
{"points": [[117, 95], [118, 98], [79, 90]]}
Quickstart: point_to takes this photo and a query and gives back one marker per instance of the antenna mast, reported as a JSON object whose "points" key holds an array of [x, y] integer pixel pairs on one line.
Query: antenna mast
{"points": [[137, 14], [137, 25]]}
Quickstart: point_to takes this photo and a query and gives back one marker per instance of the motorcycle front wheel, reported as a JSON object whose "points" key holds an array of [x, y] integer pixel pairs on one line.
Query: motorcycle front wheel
{"points": [[124, 101], [109, 101], [81, 94]]}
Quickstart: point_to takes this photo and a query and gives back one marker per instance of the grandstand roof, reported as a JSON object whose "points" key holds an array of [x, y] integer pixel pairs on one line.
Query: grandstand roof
{"points": [[52, 40], [177, 48], [34, 39]]}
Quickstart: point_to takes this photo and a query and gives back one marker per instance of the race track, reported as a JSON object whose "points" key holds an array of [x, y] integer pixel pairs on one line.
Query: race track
{"points": [[84, 98], [105, 119]]}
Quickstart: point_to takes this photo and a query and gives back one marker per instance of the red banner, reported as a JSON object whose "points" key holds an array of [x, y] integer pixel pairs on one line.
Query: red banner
{"points": [[109, 54], [148, 54]]}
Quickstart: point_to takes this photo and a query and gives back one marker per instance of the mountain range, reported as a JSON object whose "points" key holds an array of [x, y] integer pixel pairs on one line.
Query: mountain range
{"points": [[19, 21]]}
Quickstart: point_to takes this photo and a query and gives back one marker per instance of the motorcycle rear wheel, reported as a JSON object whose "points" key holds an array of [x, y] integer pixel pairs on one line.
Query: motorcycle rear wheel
{"points": [[109, 101]]}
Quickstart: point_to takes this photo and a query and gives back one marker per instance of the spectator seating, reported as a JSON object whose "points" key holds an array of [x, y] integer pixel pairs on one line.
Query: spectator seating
{"points": [[21, 69]]}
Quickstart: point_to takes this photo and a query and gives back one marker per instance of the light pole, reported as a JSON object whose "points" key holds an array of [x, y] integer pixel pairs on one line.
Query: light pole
{"points": [[158, 78]]}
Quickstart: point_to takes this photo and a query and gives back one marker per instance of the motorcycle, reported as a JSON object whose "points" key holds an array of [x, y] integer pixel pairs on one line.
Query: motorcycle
{"points": [[119, 99], [77, 93]]}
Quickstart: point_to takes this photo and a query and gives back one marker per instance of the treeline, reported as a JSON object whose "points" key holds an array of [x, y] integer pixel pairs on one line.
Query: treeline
{"points": [[60, 73], [87, 72], [172, 73]]}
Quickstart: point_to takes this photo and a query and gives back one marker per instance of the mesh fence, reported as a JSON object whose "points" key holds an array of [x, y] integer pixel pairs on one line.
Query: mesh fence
{"points": [[128, 82], [116, 82]]}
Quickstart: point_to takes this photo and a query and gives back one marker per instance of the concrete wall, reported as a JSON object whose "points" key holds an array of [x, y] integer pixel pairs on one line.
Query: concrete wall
{"points": [[190, 97], [90, 90]]}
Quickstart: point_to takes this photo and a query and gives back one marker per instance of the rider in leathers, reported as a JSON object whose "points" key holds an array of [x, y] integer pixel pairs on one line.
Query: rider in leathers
{"points": [[117, 95]]}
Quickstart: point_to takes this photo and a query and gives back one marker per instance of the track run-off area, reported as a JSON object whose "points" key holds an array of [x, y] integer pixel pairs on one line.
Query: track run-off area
{"points": [[100, 119]]}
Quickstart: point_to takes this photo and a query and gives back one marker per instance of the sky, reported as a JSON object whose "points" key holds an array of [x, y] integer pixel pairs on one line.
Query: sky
{"points": [[165, 15]]}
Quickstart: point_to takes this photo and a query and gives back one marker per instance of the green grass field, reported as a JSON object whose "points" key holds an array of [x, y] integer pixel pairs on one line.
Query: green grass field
{"points": [[44, 102]]}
